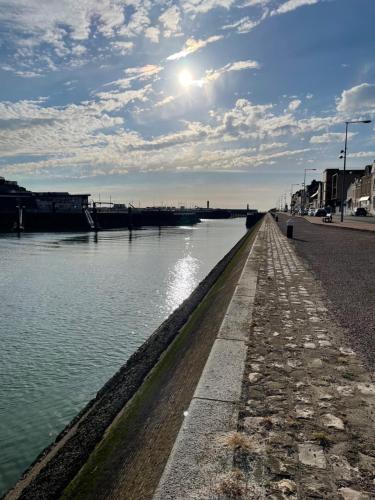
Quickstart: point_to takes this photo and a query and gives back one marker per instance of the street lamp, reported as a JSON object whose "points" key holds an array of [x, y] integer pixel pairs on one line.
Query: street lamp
{"points": [[343, 155], [291, 195], [304, 187]]}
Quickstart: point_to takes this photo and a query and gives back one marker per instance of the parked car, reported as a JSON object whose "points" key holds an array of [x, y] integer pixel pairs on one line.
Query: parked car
{"points": [[320, 212], [311, 211], [360, 212]]}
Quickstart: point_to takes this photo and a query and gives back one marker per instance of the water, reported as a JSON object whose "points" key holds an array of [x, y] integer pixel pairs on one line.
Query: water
{"points": [[74, 308]]}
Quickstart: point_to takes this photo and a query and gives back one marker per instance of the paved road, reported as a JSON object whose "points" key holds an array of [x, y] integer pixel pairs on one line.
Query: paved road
{"points": [[343, 260]]}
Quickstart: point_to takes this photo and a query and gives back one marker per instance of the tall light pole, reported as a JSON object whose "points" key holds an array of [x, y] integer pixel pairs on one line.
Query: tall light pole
{"points": [[291, 195], [344, 151], [304, 187]]}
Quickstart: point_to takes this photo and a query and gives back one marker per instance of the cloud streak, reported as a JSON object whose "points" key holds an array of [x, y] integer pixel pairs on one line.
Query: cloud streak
{"points": [[192, 45]]}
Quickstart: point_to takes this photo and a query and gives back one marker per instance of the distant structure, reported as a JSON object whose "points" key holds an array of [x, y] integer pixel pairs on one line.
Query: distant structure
{"points": [[41, 211], [208, 204]]}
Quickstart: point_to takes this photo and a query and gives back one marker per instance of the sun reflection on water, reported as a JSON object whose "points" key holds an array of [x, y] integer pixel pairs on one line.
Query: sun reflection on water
{"points": [[182, 280]]}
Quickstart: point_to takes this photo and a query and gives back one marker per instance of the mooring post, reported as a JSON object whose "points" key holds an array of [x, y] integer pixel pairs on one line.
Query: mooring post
{"points": [[289, 228], [95, 214], [130, 218], [19, 224]]}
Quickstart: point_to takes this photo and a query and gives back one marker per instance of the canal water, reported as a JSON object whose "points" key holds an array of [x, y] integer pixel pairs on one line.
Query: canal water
{"points": [[73, 309]]}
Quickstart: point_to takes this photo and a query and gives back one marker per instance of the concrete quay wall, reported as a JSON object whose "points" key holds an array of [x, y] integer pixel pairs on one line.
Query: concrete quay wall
{"points": [[197, 457]]}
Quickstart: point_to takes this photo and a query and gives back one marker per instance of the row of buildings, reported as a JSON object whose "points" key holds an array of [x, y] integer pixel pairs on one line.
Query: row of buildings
{"points": [[359, 191]]}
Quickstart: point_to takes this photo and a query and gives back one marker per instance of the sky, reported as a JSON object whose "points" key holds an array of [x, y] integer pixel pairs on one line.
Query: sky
{"points": [[174, 103]]}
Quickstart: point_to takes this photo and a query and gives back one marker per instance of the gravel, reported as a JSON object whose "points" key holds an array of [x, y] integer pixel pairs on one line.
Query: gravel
{"points": [[343, 260]]}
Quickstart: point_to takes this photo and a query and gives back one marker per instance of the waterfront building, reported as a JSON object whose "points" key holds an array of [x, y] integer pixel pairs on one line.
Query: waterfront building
{"points": [[316, 196], [296, 201], [332, 186], [41, 210], [11, 195], [359, 193], [61, 202]]}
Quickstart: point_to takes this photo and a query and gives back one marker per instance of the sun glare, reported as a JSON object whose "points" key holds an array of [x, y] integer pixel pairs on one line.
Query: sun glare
{"points": [[185, 78]]}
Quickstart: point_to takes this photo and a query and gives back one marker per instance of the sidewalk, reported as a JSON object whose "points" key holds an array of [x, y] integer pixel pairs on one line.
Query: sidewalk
{"points": [[359, 226], [303, 426]]}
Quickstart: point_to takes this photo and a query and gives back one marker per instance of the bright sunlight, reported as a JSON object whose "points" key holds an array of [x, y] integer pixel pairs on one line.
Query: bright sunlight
{"points": [[185, 78]]}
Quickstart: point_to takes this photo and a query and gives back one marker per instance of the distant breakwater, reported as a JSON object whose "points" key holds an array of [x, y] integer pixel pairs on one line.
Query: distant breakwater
{"points": [[59, 463], [29, 220]]}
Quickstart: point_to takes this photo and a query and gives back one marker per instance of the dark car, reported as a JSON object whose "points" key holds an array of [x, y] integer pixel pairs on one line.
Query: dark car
{"points": [[320, 212], [360, 212]]}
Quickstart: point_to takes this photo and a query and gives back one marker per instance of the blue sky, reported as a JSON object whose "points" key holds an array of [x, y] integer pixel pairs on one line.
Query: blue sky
{"points": [[181, 102]]}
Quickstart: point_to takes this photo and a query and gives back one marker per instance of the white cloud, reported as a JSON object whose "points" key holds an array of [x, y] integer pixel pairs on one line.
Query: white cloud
{"points": [[192, 45], [123, 47], [244, 25], [254, 3], [203, 6], [357, 99], [152, 33], [79, 50], [293, 105], [362, 154], [165, 101], [214, 74], [44, 23], [330, 137], [292, 5], [272, 145], [171, 20], [139, 20], [22, 74], [115, 100], [144, 72]]}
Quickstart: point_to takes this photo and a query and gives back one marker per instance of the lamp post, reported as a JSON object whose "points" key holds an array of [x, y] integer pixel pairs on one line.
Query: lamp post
{"points": [[343, 155], [291, 195], [304, 187]]}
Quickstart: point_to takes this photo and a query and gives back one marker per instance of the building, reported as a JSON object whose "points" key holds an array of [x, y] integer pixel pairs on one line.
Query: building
{"points": [[333, 186], [316, 194], [12, 195], [360, 192], [372, 208], [41, 211], [61, 202], [296, 201]]}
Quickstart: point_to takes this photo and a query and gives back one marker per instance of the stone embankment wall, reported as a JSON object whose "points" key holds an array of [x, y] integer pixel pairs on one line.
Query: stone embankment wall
{"points": [[58, 464]]}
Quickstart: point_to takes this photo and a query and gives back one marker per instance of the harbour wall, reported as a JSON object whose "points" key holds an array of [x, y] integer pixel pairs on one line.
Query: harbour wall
{"points": [[55, 467]]}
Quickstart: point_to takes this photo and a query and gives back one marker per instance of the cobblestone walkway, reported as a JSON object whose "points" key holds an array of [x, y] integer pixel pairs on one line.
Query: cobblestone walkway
{"points": [[306, 422]]}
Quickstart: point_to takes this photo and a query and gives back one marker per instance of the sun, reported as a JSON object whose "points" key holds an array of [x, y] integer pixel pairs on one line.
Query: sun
{"points": [[185, 78]]}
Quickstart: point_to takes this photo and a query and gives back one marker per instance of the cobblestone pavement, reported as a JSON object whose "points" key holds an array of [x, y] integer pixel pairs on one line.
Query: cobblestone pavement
{"points": [[342, 261], [306, 422]]}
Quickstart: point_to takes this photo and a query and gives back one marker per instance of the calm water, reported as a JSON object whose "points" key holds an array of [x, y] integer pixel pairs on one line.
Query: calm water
{"points": [[73, 308]]}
